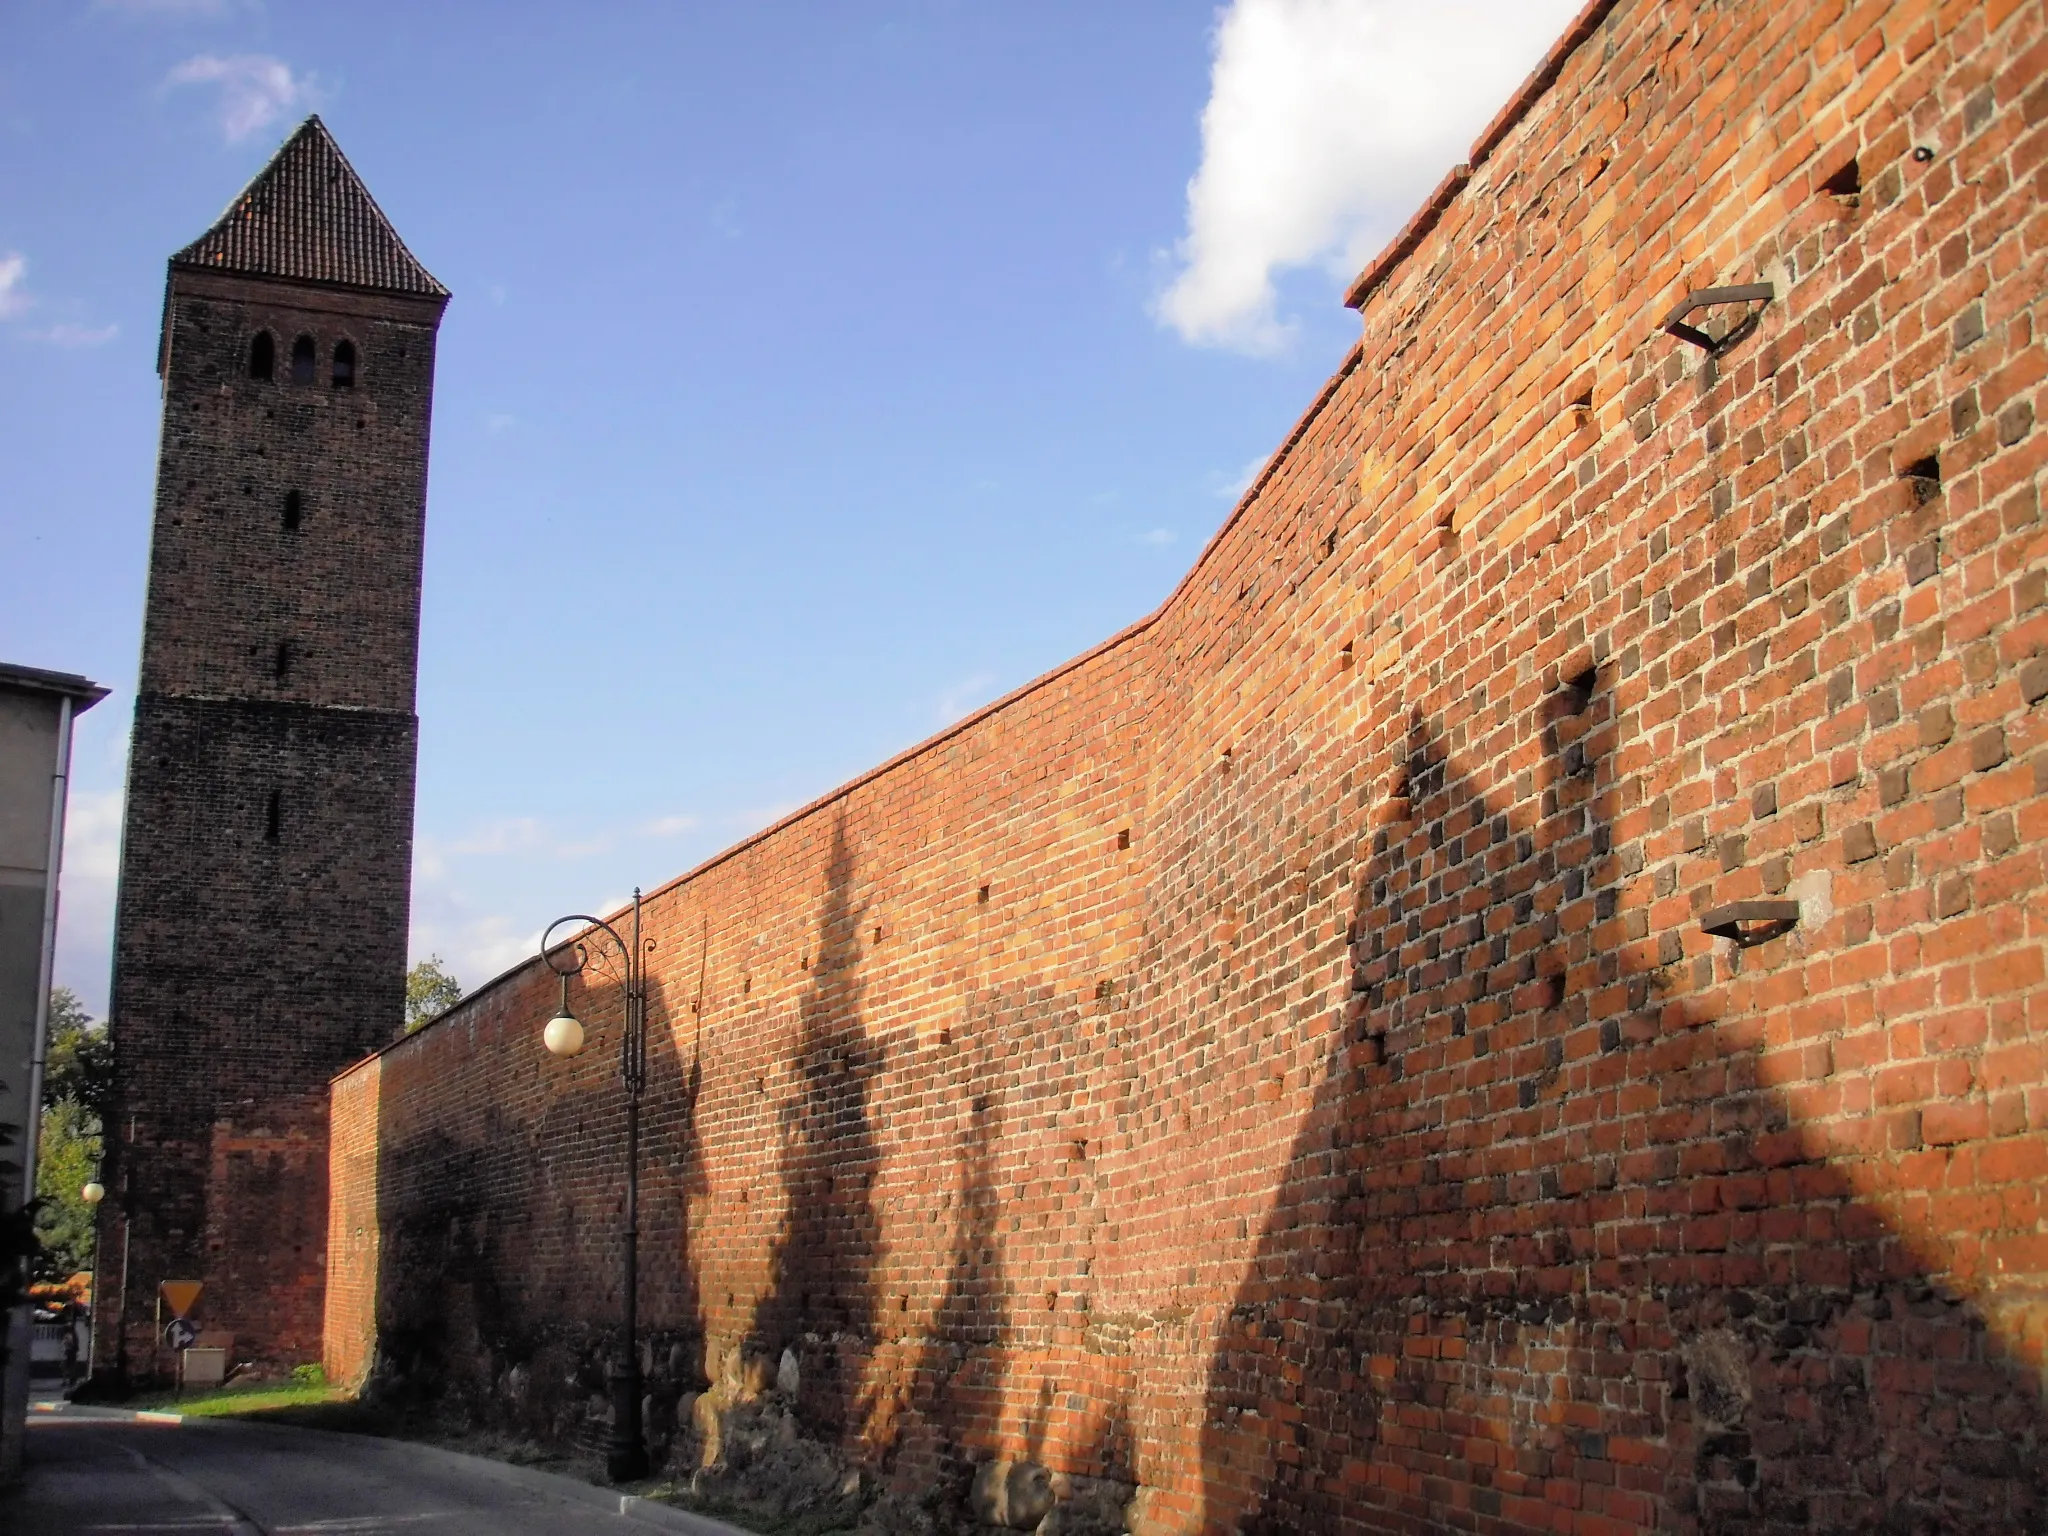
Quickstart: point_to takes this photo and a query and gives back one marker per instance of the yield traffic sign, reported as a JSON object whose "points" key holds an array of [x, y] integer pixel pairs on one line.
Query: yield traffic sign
{"points": [[180, 1294]]}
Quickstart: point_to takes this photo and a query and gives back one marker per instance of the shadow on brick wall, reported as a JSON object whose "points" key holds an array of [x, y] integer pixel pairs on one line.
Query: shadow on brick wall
{"points": [[821, 1302], [502, 1314], [1543, 1249]]}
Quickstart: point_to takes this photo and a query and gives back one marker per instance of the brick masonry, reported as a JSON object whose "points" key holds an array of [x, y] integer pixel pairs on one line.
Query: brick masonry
{"points": [[266, 863], [1273, 1065]]}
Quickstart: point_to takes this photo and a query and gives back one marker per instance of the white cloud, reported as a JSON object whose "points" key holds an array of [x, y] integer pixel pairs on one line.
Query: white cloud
{"points": [[956, 700], [255, 89], [85, 903], [1158, 538], [65, 334], [1328, 122], [670, 826], [13, 297], [16, 301], [1229, 486]]}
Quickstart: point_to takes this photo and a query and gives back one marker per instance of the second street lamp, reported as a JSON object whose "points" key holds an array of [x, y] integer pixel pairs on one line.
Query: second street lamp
{"points": [[626, 1453]]}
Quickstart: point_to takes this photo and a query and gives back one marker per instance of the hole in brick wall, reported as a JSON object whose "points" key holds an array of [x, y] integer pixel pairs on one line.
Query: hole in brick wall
{"points": [[1578, 691], [344, 365], [1330, 544], [302, 360], [1123, 839], [746, 985], [1924, 476], [262, 356], [982, 894], [293, 509], [1446, 535], [1104, 990], [284, 659], [271, 816], [804, 964], [878, 933], [1846, 181], [1553, 991], [1345, 657]]}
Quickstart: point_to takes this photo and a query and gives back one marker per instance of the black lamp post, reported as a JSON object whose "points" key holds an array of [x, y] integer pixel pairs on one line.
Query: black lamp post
{"points": [[626, 1455]]}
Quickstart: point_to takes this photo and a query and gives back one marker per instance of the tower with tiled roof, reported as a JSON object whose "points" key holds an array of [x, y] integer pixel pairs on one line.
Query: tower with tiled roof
{"points": [[261, 938]]}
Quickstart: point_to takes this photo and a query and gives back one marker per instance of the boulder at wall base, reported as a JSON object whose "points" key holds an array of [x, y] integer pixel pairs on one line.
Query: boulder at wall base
{"points": [[1013, 1494]]}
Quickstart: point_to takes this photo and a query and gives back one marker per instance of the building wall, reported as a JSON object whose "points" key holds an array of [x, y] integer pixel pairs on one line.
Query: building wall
{"points": [[34, 746], [261, 936], [1373, 1140]]}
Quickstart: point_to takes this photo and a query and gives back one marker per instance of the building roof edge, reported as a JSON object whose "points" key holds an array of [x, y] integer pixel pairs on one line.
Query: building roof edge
{"points": [[83, 689]]}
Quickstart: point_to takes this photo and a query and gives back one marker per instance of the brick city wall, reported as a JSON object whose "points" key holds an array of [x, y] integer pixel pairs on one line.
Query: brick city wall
{"points": [[1270, 1074], [266, 860]]}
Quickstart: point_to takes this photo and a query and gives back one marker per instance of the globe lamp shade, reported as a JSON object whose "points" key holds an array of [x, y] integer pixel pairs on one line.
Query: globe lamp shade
{"points": [[564, 1036], [93, 1193]]}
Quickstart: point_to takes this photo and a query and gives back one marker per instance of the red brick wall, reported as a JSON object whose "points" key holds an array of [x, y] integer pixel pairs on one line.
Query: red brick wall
{"points": [[1377, 1142]]}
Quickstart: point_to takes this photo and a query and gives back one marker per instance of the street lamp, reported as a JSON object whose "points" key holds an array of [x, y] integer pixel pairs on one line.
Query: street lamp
{"points": [[626, 1455], [93, 1193]]}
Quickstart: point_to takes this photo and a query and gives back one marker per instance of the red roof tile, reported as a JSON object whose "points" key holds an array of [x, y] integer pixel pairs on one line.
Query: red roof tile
{"points": [[308, 216]]}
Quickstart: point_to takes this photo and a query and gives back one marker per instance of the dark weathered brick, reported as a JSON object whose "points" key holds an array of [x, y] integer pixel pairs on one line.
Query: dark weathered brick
{"points": [[261, 940]]}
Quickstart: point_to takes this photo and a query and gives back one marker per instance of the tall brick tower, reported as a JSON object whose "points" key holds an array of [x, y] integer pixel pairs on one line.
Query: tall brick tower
{"points": [[261, 937]]}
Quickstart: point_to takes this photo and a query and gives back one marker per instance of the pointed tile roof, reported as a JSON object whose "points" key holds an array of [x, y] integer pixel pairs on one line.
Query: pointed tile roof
{"points": [[307, 216]]}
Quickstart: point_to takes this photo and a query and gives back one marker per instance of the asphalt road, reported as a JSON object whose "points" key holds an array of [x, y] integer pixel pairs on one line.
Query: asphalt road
{"points": [[89, 1475]]}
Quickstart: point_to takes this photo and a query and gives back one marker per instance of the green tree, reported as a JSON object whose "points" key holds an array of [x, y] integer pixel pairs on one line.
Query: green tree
{"points": [[68, 1157], [78, 1075], [429, 992], [80, 1063]]}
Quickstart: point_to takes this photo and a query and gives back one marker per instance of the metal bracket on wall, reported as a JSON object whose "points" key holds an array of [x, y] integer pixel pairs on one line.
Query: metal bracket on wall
{"points": [[1751, 922], [1674, 324]]}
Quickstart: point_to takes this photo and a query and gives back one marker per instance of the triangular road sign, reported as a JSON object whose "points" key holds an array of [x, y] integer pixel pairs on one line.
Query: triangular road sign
{"points": [[180, 1294]]}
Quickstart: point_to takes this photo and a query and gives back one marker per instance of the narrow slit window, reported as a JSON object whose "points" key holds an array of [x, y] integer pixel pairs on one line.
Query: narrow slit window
{"points": [[302, 360], [293, 510], [262, 356], [271, 816], [344, 365], [284, 660]]}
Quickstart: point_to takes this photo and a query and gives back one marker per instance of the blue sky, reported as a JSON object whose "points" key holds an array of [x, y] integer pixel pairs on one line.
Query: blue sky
{"points": [[815, 372]]}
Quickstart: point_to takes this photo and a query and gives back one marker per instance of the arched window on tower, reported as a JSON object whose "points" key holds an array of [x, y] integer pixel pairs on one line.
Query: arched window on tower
{"points": [[262, 356], [344, 365], [302, 360]]}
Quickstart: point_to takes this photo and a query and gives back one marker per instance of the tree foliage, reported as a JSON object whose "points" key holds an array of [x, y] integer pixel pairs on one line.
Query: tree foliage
{"points": [[80, 1064], [429, 992], [78, 1077]]}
